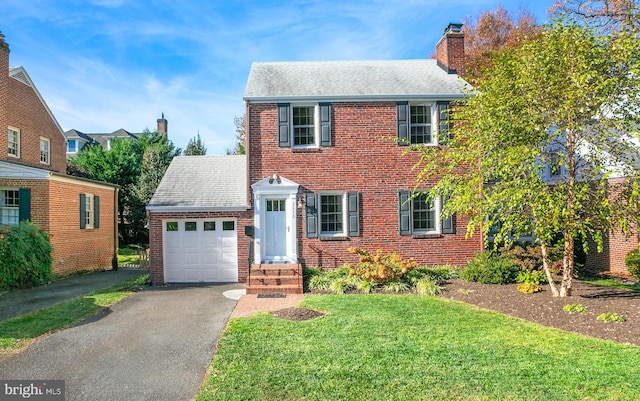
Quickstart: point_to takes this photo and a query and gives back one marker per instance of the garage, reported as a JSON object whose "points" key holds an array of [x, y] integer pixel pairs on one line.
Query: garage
{"points": [[200, 250]]}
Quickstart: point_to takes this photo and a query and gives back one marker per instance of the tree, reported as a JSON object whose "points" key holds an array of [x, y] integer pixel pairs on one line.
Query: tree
{"points": [[534, 148], [195, 147], [493, 31], [241, 134], [605, 16], [123, 164]]}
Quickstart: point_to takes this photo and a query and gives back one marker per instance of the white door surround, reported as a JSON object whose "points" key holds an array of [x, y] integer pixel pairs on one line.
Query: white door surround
{"points": [[274, 206]]}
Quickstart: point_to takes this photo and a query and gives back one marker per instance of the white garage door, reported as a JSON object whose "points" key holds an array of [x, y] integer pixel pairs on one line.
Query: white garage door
{"points": [[200, 251]]}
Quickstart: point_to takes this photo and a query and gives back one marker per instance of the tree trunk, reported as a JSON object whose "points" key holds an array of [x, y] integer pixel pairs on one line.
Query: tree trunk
{"points": [[567, 264], [547, 270]]}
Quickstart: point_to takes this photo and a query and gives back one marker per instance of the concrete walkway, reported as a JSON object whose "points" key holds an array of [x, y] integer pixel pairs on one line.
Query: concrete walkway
{"points": [[155, 345], [19, 302]]}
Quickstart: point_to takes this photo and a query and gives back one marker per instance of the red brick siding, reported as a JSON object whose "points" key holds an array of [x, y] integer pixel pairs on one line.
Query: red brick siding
{"points": [[55, 208], [362, 158], [4, 98], [27, 113], [156, 259], [450, 51]]}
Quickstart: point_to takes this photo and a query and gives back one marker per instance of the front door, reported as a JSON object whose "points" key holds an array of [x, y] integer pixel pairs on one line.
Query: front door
{"points": [[276, 229]]}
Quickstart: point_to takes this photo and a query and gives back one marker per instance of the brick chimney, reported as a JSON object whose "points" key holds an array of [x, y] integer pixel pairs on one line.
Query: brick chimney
{"points": [[4, 93], [450, 49], [163, 126]]}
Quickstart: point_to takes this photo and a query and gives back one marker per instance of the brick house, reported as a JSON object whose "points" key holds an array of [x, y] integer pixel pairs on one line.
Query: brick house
{"points": [[78, 214], [326, 171]]}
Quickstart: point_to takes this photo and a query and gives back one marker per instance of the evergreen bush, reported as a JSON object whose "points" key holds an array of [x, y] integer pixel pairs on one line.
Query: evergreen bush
{"points": [[25, 256]]}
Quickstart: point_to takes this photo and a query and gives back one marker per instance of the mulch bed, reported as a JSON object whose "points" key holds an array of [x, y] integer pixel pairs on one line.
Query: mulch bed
{"points": [[544, 309], [296, 314]]}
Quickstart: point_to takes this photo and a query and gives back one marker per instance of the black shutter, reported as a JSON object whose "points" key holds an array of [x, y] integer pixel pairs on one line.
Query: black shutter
{"points": [[402, 112], [96, 211], [24, 204], [83, 210], [353, 203], [325, 124], [444, 122], [312, 215], [404, 210], [284, 139], [447, 223]]}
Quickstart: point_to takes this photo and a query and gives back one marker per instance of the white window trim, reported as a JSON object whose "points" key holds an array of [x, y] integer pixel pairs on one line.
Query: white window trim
{"points": [[316, 125], [2, 207], [89, 211], [48, 151], [76, 147], [345, 217], [434, 125], [438, 229], [17, 131]]}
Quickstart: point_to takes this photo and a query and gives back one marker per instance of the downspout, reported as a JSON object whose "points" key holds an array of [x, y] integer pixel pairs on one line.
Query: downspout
{"points": [[114, 260]]}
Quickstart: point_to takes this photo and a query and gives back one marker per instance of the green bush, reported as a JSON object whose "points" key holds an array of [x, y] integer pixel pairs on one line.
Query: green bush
{"points": [[427, 286], [632, 260], [25, 256], [611, 317], [488, 268], [575, 308], [536, 277], [529, 288]]}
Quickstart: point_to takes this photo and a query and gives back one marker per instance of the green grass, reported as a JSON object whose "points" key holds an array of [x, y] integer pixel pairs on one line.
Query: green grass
{"points": [[404, 347], [608, 282], [128, 256], [19, 331]]}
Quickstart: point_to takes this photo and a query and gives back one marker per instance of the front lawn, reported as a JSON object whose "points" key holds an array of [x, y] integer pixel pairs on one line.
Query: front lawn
{"points": [[405, 347], [19, 331]]}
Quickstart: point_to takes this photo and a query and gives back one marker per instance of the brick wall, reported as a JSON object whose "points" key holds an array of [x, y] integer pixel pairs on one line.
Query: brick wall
{"points": [[362, 158], [4, 96], [450, 52], [27, 113], [55, 208], [156, 259]]}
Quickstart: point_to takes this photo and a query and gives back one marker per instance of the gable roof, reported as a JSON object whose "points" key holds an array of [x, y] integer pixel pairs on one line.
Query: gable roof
{"points": [[20, 75], [352, 80], [203, 183]]}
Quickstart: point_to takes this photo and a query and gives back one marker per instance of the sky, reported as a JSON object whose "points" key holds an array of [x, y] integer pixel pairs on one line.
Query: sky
{"points": [[102, 65]]}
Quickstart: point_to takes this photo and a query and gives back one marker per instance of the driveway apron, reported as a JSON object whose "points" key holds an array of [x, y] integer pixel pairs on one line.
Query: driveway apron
{"points": [[154, 345]]}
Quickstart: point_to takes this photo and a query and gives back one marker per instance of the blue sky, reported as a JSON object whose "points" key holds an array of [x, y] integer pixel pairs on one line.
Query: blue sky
{"points": [[102, 65]]}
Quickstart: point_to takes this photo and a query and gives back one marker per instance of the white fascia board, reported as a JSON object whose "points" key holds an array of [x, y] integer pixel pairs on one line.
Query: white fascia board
{"points": [[194, 209], [359, 98]]}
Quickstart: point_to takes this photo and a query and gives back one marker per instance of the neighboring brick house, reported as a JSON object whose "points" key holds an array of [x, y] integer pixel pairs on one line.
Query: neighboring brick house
{"points": [[326, 170], [78, 214]]}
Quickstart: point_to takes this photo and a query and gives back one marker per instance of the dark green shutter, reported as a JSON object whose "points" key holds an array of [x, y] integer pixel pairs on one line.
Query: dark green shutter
{"points": [[447, 223], [353, 203], [284, 138], [404, 210], [444, 122], [96, 211], [24, 204], [312, 215], [325, 124], [83, 210], [402, 112]]}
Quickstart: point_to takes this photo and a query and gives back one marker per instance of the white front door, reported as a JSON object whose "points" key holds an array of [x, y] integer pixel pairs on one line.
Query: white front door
{"points": [[275, 229]]}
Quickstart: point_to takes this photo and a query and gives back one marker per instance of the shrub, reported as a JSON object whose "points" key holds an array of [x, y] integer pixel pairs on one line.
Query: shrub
{"points": [[611, 317], [575, 308], [380, 267], [529, 256], [323, 280], [529, 288], [366, 286], [632, 260], [487, 268], [534, 277], [428, 287], [25, 256], [396, 286], [441, 273]]}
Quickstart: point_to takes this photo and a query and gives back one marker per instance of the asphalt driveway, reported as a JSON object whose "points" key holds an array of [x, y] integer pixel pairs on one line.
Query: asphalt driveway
{"points": [[154, 345]]}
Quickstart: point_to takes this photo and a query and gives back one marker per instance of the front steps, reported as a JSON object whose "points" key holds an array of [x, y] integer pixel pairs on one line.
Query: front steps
{"points": [[275, 279]]}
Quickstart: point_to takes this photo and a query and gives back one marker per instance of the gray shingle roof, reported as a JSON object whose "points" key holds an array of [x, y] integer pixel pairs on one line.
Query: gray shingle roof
{"points": [[205, 183], [349, 80]]}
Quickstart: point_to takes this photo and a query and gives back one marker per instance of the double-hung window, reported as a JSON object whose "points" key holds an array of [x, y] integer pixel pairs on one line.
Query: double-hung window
{"points": [[418, 215], [332, 214], [72, 146], [9, 206], [13, 139], [45, 153], [304, 125], [420, 124], [89, 211]]}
